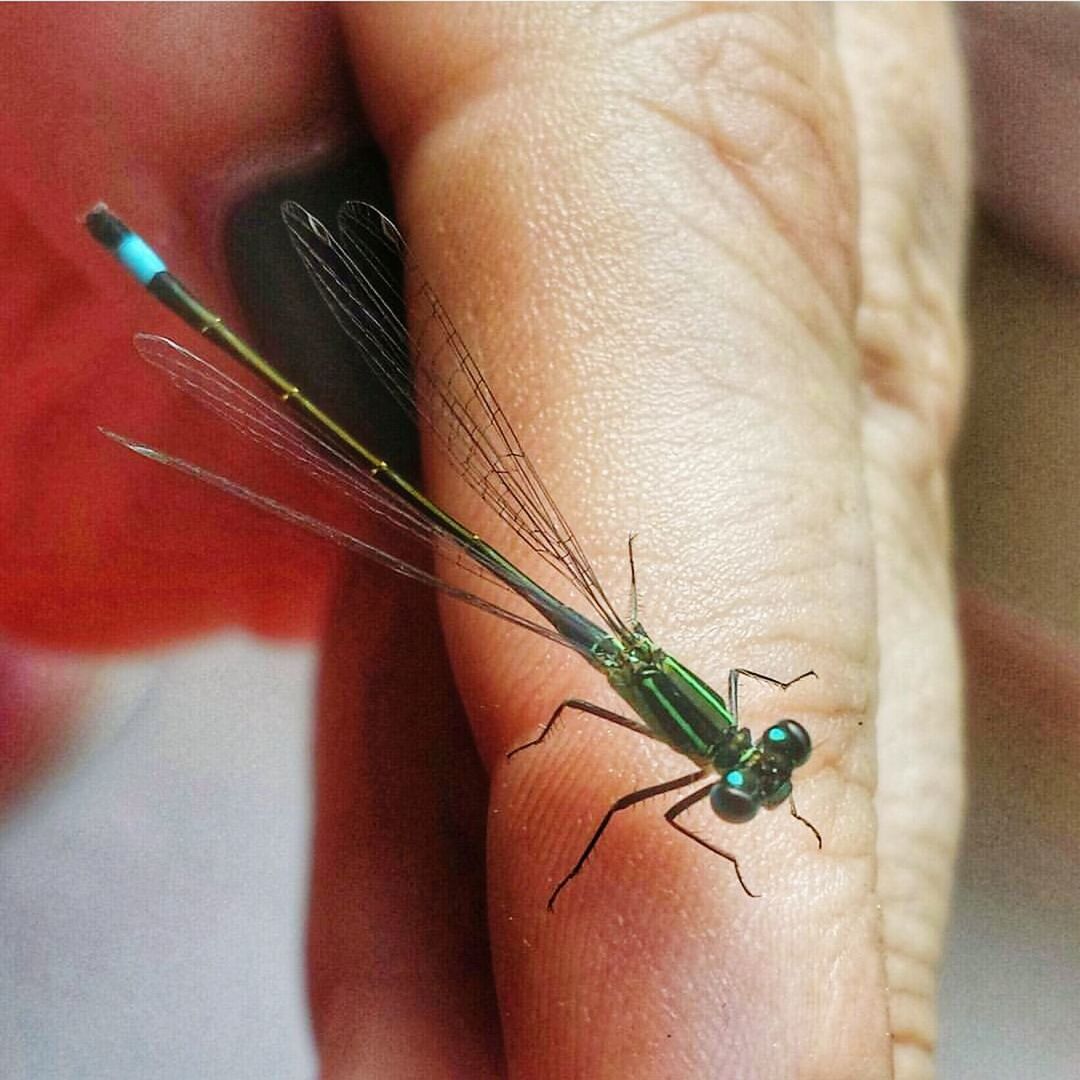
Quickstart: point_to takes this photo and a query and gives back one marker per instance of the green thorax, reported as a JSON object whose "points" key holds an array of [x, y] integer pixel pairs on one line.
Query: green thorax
{"points": [[679, 708]]}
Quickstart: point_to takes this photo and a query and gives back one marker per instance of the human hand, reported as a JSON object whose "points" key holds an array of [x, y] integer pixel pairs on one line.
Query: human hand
{"points": [[712, 262], [726, 309]]}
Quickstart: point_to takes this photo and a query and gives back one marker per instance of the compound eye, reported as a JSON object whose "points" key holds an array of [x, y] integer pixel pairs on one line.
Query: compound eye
{"points": [[790, 740], [735, 796]]}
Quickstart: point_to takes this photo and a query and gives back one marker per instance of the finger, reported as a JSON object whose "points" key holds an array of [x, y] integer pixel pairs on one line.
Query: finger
{"points": [[914, 182], [652, 219], [397, 942]]}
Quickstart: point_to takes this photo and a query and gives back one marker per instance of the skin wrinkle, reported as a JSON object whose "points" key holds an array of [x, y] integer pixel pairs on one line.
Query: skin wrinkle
{"points": [[912, 992], [911, 987], [719, 50], [746, 391], [925, 454], [766, 277], [936, 397], [911, 969], [918, 199], [747, 170], [684, 14], [923, 575], [897, 437], [713, 61], [812, 116], [722, 389], [901, 929], [940, 403], [773, 278]]}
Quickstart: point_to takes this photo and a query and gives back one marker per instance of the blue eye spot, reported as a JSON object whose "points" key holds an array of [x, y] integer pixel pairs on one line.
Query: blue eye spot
{"points": [[735, 778], [777, 735]]}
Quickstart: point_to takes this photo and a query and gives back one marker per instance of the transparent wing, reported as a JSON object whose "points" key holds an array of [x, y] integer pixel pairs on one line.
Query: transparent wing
{"points": [[452, 398], [257, 419], [329, 532]]}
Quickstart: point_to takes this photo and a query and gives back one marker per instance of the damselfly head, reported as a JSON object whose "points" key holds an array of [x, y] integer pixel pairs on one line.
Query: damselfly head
{"points": [[736, 796], [763, 777], [787, 741]]}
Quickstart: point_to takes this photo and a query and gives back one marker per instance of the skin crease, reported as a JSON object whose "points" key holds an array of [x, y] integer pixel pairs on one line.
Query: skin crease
{"points": [[719, 293]]}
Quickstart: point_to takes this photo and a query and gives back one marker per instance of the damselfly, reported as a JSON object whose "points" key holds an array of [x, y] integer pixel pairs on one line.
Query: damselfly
{"points": [[433, 376]]}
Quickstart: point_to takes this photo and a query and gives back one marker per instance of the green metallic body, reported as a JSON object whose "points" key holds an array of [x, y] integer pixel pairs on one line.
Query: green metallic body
{"points": [[673, 704]]}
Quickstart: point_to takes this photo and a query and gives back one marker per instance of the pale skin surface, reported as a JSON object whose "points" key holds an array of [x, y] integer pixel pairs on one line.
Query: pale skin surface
{"points": [[711, 259], [724, 249]]}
